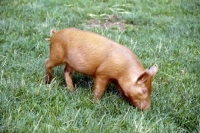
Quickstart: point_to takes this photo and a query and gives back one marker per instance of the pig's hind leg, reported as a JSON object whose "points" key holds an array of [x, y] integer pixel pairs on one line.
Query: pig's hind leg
{"points": [[68, 71], [50, 63], [48, 69]]}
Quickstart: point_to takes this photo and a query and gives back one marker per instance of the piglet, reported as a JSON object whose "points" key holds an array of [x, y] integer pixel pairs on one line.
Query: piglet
{"points": [[104, 60]]}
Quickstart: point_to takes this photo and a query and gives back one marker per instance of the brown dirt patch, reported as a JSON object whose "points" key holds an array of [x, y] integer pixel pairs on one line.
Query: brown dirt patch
{"points": [[111, 22]]}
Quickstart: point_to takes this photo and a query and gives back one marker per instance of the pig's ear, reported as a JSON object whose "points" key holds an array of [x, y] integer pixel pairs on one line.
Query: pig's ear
{"points": [[143, 77], [52, 32], [153, 70], [146, 74]]}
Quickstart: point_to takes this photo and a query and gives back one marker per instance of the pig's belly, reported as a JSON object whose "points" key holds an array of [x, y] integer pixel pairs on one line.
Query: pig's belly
{"points": [[83, 65]]}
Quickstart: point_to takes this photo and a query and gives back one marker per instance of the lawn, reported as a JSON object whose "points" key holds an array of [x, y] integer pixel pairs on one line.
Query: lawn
{"points": [[163, 32]]}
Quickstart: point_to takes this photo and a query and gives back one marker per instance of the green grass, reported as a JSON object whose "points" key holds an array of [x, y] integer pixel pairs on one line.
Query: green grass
{"points": [[165, 32]]}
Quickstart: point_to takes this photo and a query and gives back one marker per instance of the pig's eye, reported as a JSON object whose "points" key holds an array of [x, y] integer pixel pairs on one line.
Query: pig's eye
{"points": [[143, 91]]}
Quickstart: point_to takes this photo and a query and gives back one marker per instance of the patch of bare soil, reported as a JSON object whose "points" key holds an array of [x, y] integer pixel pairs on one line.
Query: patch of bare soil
{"points": [[110, 22]]}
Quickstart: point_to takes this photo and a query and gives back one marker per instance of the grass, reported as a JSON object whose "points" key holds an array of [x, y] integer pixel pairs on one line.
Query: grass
{"points": [[165, 32]]}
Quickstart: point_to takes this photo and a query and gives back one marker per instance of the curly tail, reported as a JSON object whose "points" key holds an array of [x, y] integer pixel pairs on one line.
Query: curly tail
{"points": [[52, 32]]}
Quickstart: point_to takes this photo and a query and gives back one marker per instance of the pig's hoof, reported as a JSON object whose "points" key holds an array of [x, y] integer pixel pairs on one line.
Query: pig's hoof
{"points": [[71, 89], [95, 99], [47, 79]]}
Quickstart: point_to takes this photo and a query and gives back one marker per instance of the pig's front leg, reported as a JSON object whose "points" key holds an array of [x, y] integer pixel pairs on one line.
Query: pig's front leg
{"points": [[68, 71], [100, 84], [120, 89]]}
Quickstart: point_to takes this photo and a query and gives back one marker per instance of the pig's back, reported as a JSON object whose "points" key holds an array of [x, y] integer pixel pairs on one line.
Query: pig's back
{"points": [[89, 53]]}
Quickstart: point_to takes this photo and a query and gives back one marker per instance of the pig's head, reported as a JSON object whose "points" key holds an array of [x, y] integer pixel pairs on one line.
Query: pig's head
{"points": [[138, 94]]}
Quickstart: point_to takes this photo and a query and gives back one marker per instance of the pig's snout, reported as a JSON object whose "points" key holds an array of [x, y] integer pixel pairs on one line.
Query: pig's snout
{"points": [[143, 105]]}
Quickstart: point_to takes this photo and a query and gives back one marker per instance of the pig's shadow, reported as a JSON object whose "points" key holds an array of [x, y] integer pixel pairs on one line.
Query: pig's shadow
{"points": [[82, 81]]}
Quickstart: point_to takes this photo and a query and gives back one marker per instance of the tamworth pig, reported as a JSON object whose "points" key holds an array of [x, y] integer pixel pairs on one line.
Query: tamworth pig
{"points": [[104, 60]]}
